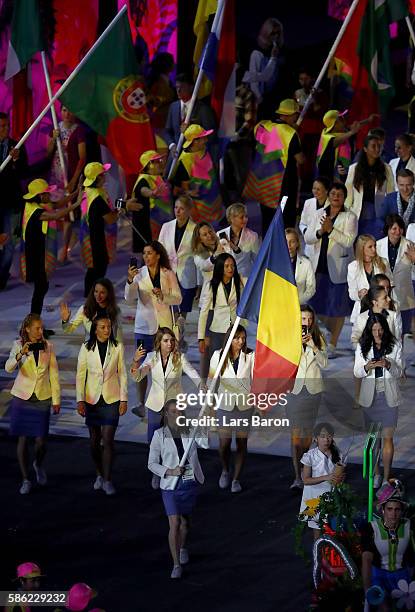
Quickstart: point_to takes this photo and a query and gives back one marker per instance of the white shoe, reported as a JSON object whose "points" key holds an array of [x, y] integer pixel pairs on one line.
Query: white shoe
{"points": [[297, 484], [176, 572], [224, 480], [99, 481], [236, 486], [40, 474], [155, 482], [377, 481], [25, 488], [183, 556], [108, 487]]}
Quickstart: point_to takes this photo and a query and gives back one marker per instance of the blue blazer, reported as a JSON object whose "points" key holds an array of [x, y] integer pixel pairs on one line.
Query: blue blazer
{"points": [[390, 206]]}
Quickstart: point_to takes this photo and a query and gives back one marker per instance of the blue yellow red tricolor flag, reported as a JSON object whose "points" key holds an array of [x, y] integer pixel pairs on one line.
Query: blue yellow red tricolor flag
{"points": [[270, 298]]}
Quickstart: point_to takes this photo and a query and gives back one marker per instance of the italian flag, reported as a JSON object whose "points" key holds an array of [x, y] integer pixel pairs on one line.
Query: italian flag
{"points": [[108, 95], [26, 36], [363, 55]]}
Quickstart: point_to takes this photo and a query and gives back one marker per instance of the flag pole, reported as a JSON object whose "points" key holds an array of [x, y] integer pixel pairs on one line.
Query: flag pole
{"points": [[209, 392], [411, 30], [328, 60], [65, 84], [190, 106]]}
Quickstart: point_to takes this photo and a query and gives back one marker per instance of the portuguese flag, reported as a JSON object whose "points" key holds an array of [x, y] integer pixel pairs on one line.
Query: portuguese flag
{"points": [[363, 55], [108, 95]]}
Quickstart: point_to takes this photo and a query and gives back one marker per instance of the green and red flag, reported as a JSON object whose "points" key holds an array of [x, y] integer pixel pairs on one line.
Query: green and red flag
{"points": [[363, 55], [26, 36], [108, 95]]}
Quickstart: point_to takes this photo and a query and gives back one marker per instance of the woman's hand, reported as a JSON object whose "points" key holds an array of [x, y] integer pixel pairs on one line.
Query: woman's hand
{"points": [[56, 408], [361, 293], [65, 312], [326, 225], [139, 354], [177, 471], [202, 346], [122, 409], [81, 408], [371, 365], [308, 340], [132, 272], [25, 349], [334, 479], [158, 293], [132, 205], [55, 134]]}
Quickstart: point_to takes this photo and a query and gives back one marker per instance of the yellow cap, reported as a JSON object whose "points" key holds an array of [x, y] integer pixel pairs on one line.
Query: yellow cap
{"points": [[92, 170], [288, 107], [331, 117], [37, 187], [193, 132], [149, 156]]}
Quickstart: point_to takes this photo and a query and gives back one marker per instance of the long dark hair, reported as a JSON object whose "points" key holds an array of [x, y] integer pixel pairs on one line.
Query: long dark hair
{"points": [[335, 455], [372, 295], [315, 331], [217, 277], [362, 167], [92, 340], [366, 341], [239, 330], [164, 261], [90, 307]]}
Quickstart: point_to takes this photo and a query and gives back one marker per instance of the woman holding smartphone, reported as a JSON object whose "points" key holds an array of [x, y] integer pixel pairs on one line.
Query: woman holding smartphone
{"points": [[35, 389]]}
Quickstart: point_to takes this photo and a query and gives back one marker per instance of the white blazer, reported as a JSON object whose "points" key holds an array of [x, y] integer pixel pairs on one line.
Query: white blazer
{"points": [[233, 388], [305, 279], [354, 198], [41, 379], [151, 314], [357, 280], [80, 318], [309, 371], [340, 252], [181, 261], [249, 243], [394, 320], [391, 377], [309, 210], [163, 455], [394, 164], [94, 379], [164, 385], [224, 313], [402, 272]]}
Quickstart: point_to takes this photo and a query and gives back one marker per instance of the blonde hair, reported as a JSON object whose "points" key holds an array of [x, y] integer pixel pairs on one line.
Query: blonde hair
{"points": [[236, 209], [361, 242], [176, 356], [293, 231], [27, 322]]}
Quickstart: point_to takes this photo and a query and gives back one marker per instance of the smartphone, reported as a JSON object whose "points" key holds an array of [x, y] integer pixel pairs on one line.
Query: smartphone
{"points": [[133, 262], [37, 346], [120, 204], [304, 330]]}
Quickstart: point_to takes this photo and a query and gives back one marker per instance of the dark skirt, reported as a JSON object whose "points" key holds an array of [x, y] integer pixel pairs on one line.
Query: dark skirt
{"points": [[29, 417], [181, 501], [302, 411], [330, 299], [97, 415]]}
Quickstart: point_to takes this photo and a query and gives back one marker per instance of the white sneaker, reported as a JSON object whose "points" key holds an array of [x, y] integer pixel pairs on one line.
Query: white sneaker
{"points": [[297, 484], [25, 488], [224, 480], [40, 474], [176, 572], [183, 556], [155, 482], [108, 487], [236, 486], [377, 481], [99, 481]]}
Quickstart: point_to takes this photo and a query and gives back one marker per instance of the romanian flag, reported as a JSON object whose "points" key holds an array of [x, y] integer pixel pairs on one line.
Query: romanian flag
{"points": [[270, 298]]}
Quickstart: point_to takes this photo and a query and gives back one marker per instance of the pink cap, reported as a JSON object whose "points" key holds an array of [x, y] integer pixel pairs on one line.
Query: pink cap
{"points": [[79, 596], [28, 570]]}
